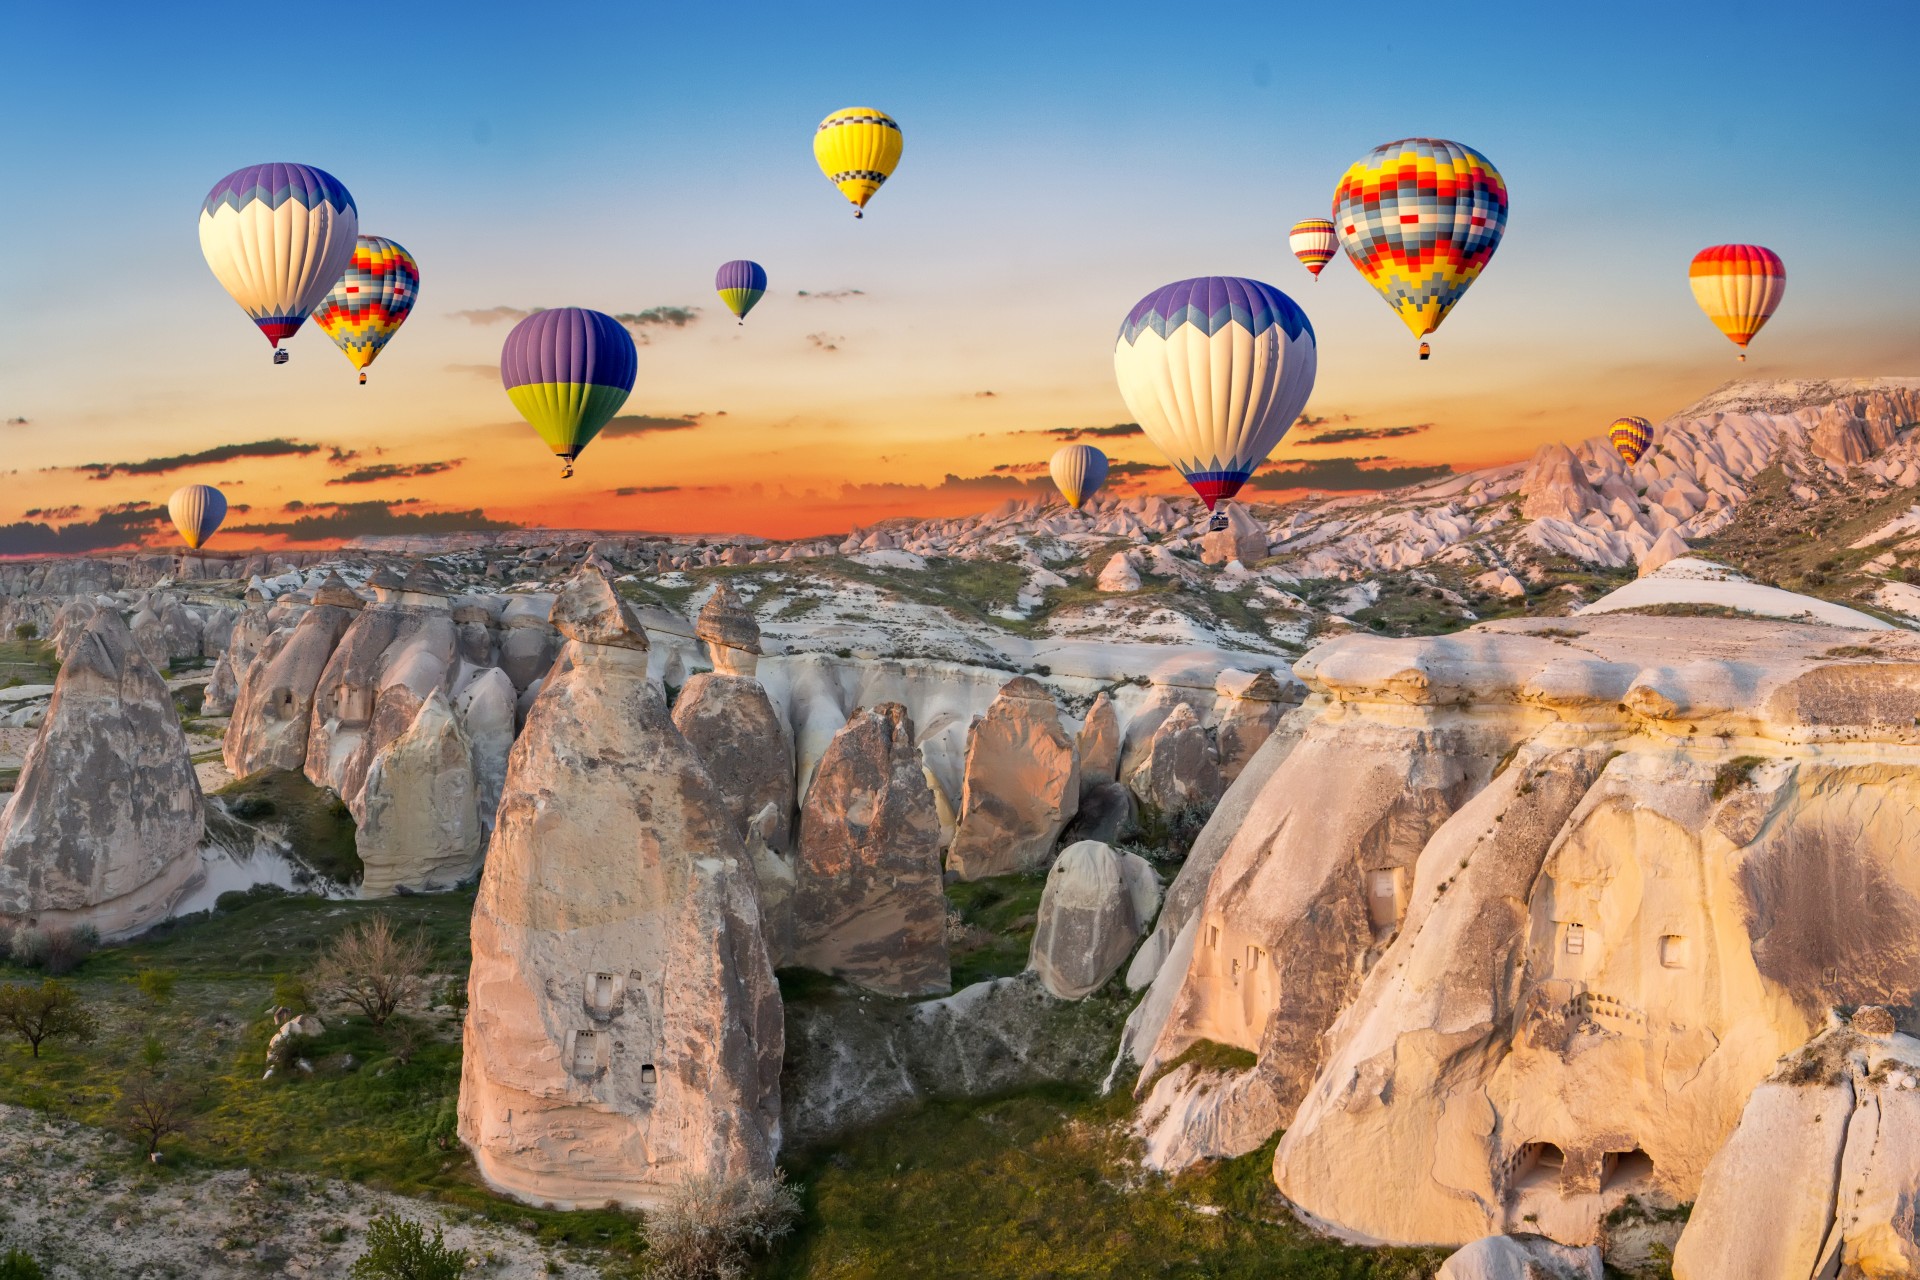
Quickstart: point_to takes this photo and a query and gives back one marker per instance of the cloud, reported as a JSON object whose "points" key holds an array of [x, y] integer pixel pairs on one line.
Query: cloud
{"points": [[675, 317], [632, 490], [1022, 468], [824, 341], [16, 422], [341, 457], [1086, 433], [223, 453], [1125, 469], [1346, 435], [983, 395], [335, 521], [118, 526], [640, 424], [1345, 475], [395, 471], [488, 371], [52, 513], [1002, 485], [831, 295], [493, 315]]}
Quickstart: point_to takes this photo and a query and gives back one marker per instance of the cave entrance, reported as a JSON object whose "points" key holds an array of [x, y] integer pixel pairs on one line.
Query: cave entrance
{"points": [[1539, 1165], [1625, 1168]]}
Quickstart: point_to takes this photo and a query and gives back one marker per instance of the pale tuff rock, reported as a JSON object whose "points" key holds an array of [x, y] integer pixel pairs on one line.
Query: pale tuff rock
{"points": [[1688, 580], [272, 714], [1120, 574], [422, 826], [624, 1031], [1521, 1258], [1094, 908], [730, 633], [1022, 785], [1556, 487], [1667, 547], [528, 641], [778, 883], [104, 825], [1245, 714], [1244, 539], [1178, 769], [591, 612], [334, 590], [869, 905], [732, 725], [1099, 744], [487, 716]]}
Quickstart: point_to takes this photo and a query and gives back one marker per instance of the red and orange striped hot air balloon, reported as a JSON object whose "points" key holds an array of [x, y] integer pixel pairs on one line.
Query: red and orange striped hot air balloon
{"points": [[1738, 286]]}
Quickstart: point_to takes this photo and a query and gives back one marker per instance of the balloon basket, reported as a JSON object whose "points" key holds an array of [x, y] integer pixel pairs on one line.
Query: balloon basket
{"points": [[363, 379], [280, 355]]}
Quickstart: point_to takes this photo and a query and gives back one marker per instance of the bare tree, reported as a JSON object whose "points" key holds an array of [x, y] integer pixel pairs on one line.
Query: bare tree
{"points": [[153, 1108], [711, 1226], [45, 1012], [372, 967]]}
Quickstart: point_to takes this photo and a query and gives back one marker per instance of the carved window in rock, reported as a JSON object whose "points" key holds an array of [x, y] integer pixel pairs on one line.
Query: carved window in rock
{"points": [[1625, 1168], [1576, 939], [585, 1057], [1538, 1165], [283, 704], [649, 1082], [1213, 937], [1386, 897], [604, 994], [352, 705], [1673, 951]]}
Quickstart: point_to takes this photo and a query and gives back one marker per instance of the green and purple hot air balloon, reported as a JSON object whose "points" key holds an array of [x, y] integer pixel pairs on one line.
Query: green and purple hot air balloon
{"points": [[740, 284], [568, 371]]}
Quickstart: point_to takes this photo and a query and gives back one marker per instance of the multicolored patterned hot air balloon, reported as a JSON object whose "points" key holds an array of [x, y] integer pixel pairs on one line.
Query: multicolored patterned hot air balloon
{"points": [[1738, 286], [857, 148], [1631, 437], [197, 510], [1216, 370], [1420, 218], [740, 284], [568, 371], [1314, 243], [1078, 471], [371, 301], [277, 237]]}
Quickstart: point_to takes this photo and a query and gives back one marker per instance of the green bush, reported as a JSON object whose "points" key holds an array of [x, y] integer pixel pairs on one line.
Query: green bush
{"points": [[16, 1265], [398, 1249], [156, 984]]}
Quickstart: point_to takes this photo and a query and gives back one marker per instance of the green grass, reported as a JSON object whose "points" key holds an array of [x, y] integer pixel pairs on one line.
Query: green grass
{"points": [[27, 662], [1002, 912], [316, 821]]}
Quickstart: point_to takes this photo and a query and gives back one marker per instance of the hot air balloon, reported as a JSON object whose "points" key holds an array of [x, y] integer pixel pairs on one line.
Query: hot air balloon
{"points": [[371, 301], [1630, 437], [277, 237], [197, 510], [568, 371], [857, 148], [1420, 218], [1215, 370], [1078, 471], [740, 283], [1314, 243], [1738, 286]]}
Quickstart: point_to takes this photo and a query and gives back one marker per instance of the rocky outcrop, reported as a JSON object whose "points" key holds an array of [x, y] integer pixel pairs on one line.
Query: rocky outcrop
{"points": [[1555, 486], [1100, 744], [1246, 712], [422, 826], [528, 641], [1096, 905], [1178, 769], [1022, 785], [488, 718], [869, 906], [272, 713], [731, 634], [748, 753], [104, 825], [1243, 538], [624, 1031], [1521, 1258], [1119, 574], [393, 656]]}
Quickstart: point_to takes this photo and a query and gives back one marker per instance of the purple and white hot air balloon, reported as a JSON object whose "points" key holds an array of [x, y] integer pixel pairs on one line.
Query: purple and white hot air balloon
{"points": [[277, 237]]}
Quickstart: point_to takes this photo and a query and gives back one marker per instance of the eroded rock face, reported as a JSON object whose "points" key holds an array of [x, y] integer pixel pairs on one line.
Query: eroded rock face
{"points": [[104, 825], [869, 906], [1096, 905], [748, 753], [1100, 744], [272, 713], [391, 658], [1248, 710], [488, 717], [1521, 1258], [1556, 486], [731, 634], [1022, 785], [1178, 770], [422, 827], [1244, 539], [624, 1029]]}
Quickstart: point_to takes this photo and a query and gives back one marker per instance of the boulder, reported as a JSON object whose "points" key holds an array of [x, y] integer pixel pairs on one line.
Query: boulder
{"points": [[1521, 1258], [1099, 744], [104, 825], [421, 829], [869, 905], [272, 712], [624, 1031], [487, 712], [1022, 785], [1096, 905], [305, 1025], [1178, 770], [731, 723]]}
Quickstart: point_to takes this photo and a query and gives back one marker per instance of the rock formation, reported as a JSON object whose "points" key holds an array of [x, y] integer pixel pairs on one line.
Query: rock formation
{"points": [[869, 905], [730, 633], [1521, 1258], [488, 717], [422, 826], [1247, 710], [1178, 769], [1556, 486], [390, 659], [1119, 574], [1096, 905], [104, 825], [624, 1031], [1099, 744], [272, 712], [1022, 785], [732, 724], [1243, 539]]}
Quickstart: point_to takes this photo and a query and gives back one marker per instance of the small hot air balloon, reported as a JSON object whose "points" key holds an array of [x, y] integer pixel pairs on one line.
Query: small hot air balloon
{"points": [[371, 301], [197, 510], [1215, 370], [1078, 471], [1738, 286], [1314, 243], [1420, 218], [857, 148], [1630, 437], [568, 371], [740, 284], [277, 237]]}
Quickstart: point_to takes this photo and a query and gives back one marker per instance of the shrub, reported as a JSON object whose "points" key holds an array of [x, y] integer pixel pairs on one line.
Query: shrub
{"points": [[371, 967], [55, 950], [28, 947], [398, 1249], [18, 1265], [404, 1038], [289, 992], [45, 1012], [24, 631], [153, 1108], [156, 984], [710, 1227]]}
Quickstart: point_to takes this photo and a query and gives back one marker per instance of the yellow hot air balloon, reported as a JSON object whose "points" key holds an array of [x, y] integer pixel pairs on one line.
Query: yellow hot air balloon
{"points": [[857, 148], [1078, 471], [1738, 286], [197, 510]]}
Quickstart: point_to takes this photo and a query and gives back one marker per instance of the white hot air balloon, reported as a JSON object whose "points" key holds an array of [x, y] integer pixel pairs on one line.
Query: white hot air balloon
{"points": [[278, 236], [1215, 370], [197, 510], [1078, 471]]}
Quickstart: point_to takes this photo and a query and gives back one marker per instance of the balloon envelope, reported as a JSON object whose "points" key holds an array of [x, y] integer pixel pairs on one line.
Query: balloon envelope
{"points": [[740, 284], [1421, 218], [1630, 437], [857, 148], [1215, 370], [1313, 242], [277, 237], [1738, 286], [1078, 471], [568, 371], [368, 304], [197, 510]]}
